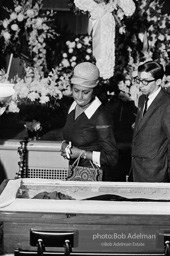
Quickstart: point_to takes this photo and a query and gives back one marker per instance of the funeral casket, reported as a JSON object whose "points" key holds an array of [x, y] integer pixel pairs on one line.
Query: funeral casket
{"points": [[94, 217]]}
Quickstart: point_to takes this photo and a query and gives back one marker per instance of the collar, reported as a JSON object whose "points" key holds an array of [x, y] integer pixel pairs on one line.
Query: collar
{"points": [[90, 110], [154, 94]]}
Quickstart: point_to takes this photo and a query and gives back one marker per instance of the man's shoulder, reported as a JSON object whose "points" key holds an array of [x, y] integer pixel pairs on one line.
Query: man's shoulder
{"points": [[165, 96], [166, 92]]}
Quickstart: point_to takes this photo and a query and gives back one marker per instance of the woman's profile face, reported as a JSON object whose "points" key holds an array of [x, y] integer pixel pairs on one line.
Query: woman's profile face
{"points": [[82, 95]]}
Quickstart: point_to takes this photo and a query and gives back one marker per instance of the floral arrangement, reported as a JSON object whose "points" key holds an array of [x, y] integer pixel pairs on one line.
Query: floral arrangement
{"points": [[37, 98], [35, 89], [27, 25], [153, 36], [130, 41], [76, 50], [102, 22]]}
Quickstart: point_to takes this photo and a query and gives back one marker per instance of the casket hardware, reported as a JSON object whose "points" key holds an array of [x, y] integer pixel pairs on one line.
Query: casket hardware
{"points": [[18, 252], [166, 242], [42, 239], [70, 215], [68, 239], [53, 238]]}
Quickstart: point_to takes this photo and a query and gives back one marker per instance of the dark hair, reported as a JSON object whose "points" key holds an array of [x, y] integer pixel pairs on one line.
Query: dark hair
{"points": [[153, 67]]}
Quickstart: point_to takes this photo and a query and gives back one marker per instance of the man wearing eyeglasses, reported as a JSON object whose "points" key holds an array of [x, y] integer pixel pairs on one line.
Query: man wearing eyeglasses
{"points": [[151, 137]]}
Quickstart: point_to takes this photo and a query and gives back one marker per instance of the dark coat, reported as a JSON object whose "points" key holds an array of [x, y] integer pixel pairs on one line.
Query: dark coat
{"points": [[93, 134], [151, 141]]}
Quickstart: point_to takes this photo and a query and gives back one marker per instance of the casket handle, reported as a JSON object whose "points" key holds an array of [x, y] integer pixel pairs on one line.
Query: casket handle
{"points": [[167, 248], [42, 239], [67, 248], [166, 242], [40, 247]]}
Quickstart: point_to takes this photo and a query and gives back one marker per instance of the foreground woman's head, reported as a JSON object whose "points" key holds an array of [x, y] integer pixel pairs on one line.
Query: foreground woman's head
{"points": [[84, 80]]}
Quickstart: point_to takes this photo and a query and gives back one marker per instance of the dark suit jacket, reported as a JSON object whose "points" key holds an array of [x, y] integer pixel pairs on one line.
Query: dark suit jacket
{"points": [[151, 141]]}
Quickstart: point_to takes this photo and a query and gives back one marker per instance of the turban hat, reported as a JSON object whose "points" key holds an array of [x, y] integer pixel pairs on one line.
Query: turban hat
{"points": [[85, 74]]}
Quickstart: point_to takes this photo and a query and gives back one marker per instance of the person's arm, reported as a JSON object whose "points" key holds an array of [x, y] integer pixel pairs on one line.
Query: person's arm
{"points": [[106, 140], [74, 152], [166, 127]]}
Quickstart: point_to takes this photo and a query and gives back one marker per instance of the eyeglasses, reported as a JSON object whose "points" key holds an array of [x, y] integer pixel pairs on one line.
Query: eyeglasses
{"points": [[144, 82]]}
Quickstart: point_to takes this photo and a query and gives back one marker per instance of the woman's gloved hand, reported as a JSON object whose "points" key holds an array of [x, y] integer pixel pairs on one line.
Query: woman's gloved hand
{"points": [[65, 149]]}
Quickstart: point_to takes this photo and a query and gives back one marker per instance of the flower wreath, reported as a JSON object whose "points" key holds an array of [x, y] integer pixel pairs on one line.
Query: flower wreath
{"points": [[103, 16]]}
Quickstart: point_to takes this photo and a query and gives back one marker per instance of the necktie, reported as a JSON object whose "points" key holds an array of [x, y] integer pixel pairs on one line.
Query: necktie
{"points": [[145, 105]]}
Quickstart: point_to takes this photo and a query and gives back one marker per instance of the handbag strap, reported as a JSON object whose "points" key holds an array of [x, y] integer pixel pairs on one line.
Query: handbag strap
{"points": [[77, 160], [94, 165]]}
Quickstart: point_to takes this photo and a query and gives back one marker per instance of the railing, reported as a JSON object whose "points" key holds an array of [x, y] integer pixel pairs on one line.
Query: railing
{"points": [[43, 159]]}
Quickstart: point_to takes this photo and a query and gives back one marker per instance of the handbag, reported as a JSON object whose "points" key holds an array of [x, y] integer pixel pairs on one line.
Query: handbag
{"points": [[82, 173]]}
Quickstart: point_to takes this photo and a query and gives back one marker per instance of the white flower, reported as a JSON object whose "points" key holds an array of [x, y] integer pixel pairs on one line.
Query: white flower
{"points": [[87, 40], [38, 23], [121, 85], [70, 50], [151, 28], [134, 73], [6, 35], [65, 63], [44, 99], [153, 19], [120, 14], [13, 16], [73, 58], [73, 64], [64, 55], [5, 23], [2, 76], [161, 37], [128, 82], [167, 37], [122, 30], [12, 107], [20, 17], [72, 44], [162, 48], [87, 57], [18, 8], [163, 24], [128, 6], [79, 45], [14, 27], [30, 13], [89, 50], [85, 5]]}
